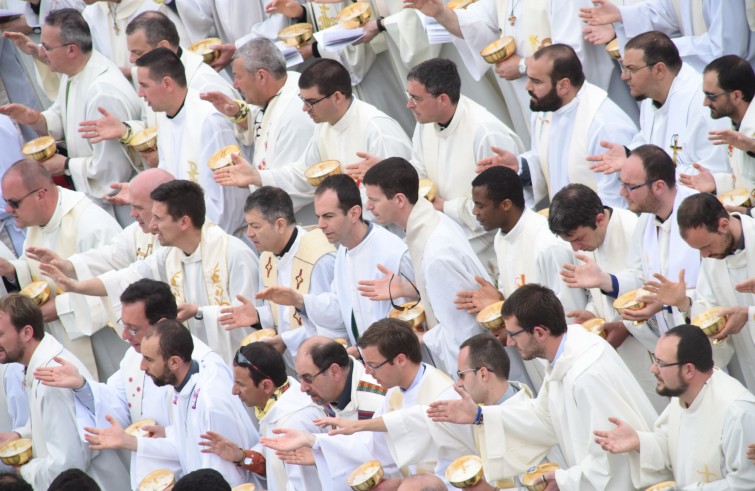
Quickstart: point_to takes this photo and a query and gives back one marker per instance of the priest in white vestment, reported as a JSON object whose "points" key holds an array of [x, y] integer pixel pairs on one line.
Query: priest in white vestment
{"points": [[275, 128], [278, 402], [526, 251], [184, 146], [202, 402], [348, 130], [441, 256], [672, 114], [649, 185], [391, 354], [66, 222], [572, 117], [290, 256], [129, 394], [56, 442], [341, 311], [726, 244], [89, 81], [206, 268], [603, 235], [585, 383], [701, 438], [452, 134]]}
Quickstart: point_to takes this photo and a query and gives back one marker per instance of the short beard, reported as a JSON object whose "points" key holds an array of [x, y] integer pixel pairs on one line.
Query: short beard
{"points": [[665, 391], [549, 102]]}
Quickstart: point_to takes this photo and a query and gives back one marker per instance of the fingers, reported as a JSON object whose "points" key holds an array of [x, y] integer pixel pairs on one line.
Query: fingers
{"points": [[104, 112], [384, 270], [482, 281]]}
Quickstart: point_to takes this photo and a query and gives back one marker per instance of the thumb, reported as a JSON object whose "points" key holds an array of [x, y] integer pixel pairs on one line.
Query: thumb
{"points": [[363, 155], [117, 185], [681, 275], [699, 167], [584, 258], [481, 281], [614, 420], [384, 270], [103, 111], [243, 299], [498, 150], [61, 361]]}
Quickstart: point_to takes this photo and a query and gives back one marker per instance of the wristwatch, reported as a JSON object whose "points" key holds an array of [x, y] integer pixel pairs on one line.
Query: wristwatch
{"points": [[522, 66], [36, 30], [199, 315]]}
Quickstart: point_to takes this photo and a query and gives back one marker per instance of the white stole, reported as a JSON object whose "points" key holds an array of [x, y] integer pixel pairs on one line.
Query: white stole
{"points": [[691, 17], [271, 119], [423, 220], [680, 254], [536, 24], [344, 139], [589, 100]]}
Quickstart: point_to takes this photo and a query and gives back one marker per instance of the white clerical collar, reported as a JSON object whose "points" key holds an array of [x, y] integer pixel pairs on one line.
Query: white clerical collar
{"points": [[417, 378], [57, 215], [194, 257], [518, 228], [571, 105], [356, 248], [344, 123], [508, 394], [560, 350]]}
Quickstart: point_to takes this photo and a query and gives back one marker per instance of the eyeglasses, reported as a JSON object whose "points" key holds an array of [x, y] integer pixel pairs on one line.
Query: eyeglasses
{"points": [[373, 368], [713, 97], [632, 187], [16, 203], [308, 379], [629, 71], [242, 361], [131, 330], [526, 329], [311, 103], [390, 297], [660, 364], [460, 373], [50, 48]]}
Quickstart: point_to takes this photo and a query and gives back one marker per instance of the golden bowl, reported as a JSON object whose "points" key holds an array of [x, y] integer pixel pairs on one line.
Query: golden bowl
{"points": [[145, 140], [355, 15], [296, 34], [499, 50], [612, 48], [202, 48], [629, 301], [342, 341], [40, 149], [490, 317], [258, 336], [366, 476], [245, 487], [413, 315], [318, 172], [158, 480], [459, 4], [711, 321], [663, 486], [465, 471], [427, 189], [595, 326], [735, 197], [17, 452], [532, 479], [135, 429], [546, 212], [222, 158], [39, 291]]}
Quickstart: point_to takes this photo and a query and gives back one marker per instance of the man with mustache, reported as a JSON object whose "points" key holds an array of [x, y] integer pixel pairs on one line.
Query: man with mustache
{"points": [[570, 118]]}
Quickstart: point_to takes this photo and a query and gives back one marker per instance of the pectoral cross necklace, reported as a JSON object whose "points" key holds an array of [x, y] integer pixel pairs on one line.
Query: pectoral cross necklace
{"points": [[512, 17], [113, 8], [675, 147]]}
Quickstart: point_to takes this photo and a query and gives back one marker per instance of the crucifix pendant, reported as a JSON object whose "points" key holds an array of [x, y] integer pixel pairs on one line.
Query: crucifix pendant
{"points": [[675, 148], [116, 29], [512, 20]]}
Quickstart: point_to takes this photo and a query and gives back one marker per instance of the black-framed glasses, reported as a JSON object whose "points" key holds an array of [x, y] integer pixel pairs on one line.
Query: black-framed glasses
{"points": [[629, 71], [308, 379], [632, 187], [16, 203], [242, 361], [460, 373], [713, 97], [661, 364], [529, 329], [311, 103], [372, 367], [390, 296]]}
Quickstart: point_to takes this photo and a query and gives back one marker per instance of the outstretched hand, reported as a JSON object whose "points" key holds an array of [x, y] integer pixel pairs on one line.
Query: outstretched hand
{"points": [[473, 301], [460, 411], [623, 438]]}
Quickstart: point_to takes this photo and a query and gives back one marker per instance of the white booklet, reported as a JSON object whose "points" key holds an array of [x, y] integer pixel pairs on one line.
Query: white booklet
{"points": [[436, 33], [336, 38], [292, 55]]}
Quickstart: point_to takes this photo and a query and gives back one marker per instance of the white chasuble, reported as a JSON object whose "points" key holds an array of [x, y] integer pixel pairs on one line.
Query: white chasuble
{"points": [[108, 22], [442, 256], [742, 164], [76, 225], [721, 416], [715, 288]]}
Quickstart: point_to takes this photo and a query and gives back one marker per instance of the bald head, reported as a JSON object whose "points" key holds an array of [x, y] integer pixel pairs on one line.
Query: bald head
{"points": [[422, 482], [31, 173], [139, 191]]}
